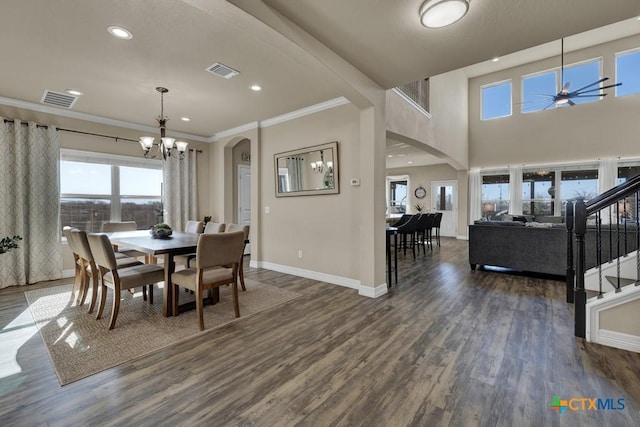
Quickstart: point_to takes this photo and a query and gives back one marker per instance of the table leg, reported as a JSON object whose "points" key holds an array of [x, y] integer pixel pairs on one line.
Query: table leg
{"points": [[395, 255], [167, 298], [388, 243]]}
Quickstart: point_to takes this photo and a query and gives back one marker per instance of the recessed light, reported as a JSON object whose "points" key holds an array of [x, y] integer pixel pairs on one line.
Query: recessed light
{"points": [[73, 92], [256, 88], [410, 162], [390, 155], [185, 119], [496, 59], [119, 32]]}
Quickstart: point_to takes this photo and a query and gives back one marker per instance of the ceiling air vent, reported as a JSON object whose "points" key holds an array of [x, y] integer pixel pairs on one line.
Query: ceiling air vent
{"points": [[222, 70], [58, 99]]}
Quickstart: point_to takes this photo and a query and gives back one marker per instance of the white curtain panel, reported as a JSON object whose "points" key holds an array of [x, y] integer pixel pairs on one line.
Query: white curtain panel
{"points": [[180, 190], [607, 174], [475, 195], [515, 190], [30, 202]]}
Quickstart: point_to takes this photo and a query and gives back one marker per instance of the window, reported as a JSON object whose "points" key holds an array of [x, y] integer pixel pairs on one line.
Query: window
{"points": [[578, 183], [581, 75], [539, 89], [627, 172], [496, 100], [96, 188], [627, 209], [628, 72], [397, 197], [495, 196], [538, 192]]}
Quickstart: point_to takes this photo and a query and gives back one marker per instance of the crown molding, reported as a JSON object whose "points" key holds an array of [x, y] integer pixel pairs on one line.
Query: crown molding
{"points": [[95, 119], [233, 131], [332, 103], [316, 108]]}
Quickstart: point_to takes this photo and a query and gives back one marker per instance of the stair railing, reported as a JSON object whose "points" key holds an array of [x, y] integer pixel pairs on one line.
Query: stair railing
{"points": [[619, 206]]}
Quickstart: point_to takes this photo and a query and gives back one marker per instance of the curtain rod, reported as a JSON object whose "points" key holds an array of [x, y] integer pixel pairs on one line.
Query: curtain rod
{"points": [[117, 138]]}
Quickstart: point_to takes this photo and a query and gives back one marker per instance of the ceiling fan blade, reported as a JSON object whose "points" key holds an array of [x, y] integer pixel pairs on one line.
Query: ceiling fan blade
{"points": [[610, 86], [591, 84], [550, 105], [588, 96], [574, 93], [565, 88], [571, 102]]}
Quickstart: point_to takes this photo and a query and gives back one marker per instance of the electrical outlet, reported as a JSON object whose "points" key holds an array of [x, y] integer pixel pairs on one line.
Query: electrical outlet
{"points": [[299, 254]]}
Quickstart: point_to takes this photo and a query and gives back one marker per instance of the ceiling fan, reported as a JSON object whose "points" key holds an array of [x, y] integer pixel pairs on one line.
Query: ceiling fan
{"points": [[565, 96]]}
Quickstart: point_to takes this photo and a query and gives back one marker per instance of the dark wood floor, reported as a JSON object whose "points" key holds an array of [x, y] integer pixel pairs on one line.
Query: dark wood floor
{"points": [[447, 347]]}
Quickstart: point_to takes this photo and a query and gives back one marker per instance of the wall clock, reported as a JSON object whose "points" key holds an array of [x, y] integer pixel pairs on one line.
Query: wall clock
{"points": [[420, 192]]}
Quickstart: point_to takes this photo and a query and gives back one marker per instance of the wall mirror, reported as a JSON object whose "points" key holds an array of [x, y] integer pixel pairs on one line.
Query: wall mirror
{"points": [[307, 171]]}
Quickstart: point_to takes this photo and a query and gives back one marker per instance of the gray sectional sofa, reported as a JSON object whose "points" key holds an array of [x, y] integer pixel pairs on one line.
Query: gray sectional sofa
{"points": [[516, 246], [540, 249]]}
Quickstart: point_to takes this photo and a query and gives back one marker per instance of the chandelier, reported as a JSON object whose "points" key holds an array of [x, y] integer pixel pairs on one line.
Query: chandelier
{"points": [[166, 145], [319, 166]]}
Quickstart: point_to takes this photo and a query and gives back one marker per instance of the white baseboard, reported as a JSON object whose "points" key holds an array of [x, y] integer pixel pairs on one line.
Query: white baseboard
{"points": [[371, 292], [618, 340], [367, 291], [461, 237]]}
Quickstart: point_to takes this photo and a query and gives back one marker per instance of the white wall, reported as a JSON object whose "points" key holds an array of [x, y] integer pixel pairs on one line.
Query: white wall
{"points": [[325, 227], [448, 102]]}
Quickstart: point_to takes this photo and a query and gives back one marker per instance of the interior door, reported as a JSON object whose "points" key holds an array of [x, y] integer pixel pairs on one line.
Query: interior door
{"points": [[444, 198], [244, 198]]}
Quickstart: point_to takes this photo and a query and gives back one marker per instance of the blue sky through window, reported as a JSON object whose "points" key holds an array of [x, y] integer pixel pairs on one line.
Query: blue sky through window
{"points": [[628, 72], [581, 75], [538, 91], [496, 101]]}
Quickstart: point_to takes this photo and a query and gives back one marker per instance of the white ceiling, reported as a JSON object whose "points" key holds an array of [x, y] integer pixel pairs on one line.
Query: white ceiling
{"points": [[63, 44]]}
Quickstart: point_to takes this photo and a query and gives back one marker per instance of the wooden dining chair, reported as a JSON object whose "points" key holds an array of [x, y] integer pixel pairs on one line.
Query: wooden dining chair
{"points": [[213, 250], [210, 228], [89, 270], [78, 286], [109, 227], [245, 229], [115, 278]]}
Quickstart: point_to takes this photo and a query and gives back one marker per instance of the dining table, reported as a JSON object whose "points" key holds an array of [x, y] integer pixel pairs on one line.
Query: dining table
{"points": [[177, 244]]}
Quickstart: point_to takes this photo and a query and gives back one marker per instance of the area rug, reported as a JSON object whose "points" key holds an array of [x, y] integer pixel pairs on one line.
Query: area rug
{"points": [[80, 346]]}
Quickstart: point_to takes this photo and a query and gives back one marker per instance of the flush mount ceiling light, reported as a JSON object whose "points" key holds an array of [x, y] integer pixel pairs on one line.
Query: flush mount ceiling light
{"points": [[256, 88], [119, 32], [440, 13], [74, 92]]}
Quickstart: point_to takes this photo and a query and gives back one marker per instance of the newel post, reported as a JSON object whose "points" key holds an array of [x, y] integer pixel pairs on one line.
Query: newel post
{"points": [[580, 227], [571, 274]]}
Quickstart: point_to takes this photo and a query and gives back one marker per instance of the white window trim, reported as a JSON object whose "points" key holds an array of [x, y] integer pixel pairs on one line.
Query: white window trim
{"points": [[615, 64], [115, 161], [510, 81]]}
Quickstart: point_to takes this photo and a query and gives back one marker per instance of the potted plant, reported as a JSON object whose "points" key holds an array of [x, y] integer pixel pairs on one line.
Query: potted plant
{"points": [[419, 207], [8, 243], [161, 231], [207, 219]]}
